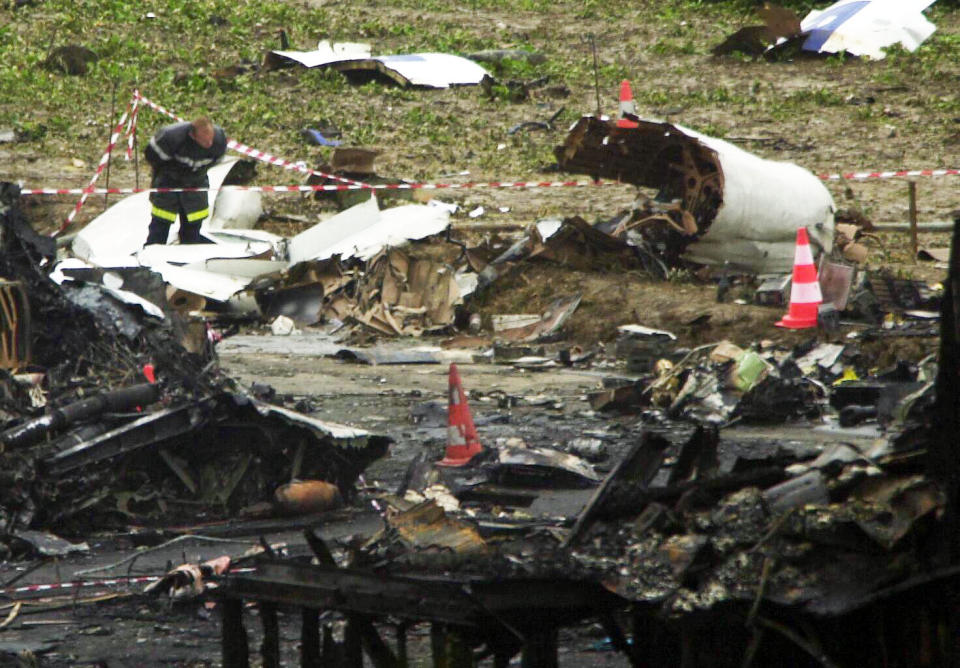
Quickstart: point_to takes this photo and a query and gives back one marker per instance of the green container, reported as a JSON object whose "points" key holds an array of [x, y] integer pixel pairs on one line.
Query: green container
{"points": [[750, 370]]}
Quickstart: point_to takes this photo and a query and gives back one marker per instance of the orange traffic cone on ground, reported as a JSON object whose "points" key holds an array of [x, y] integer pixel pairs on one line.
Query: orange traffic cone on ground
{"points": [[462, 441], [805, 295], [626, 106]]}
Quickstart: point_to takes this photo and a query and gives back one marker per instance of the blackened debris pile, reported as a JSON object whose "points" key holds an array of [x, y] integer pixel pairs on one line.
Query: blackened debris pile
{"points": [[114, 422]]}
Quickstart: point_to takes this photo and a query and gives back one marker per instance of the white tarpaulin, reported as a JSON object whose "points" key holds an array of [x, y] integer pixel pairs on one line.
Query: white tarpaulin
{"points": [[436, 70], [866, 27]]}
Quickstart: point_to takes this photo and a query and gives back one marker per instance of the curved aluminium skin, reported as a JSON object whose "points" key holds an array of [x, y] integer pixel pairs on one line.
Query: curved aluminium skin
{"points": [[764, 203]]}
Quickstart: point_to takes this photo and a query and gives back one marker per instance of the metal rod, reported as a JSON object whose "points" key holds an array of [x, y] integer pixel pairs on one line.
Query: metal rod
{"points": [[113, 112], [912, 193], [596, 73]]}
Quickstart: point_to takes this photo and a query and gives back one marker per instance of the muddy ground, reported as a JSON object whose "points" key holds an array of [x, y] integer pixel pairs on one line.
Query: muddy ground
{"points": [[117, 626]]}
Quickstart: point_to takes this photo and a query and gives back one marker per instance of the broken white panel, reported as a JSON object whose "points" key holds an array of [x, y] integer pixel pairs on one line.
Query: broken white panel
{"points": [[867, 27], [363, 230], [467, 282], [825, 355], [218, 278], [249, 268], [640, 330], [134, 299], [327, 53], [219, 287], [764, 203], [437, 70], [237, 210], [547, 227], [155, 254], [121, 230]]}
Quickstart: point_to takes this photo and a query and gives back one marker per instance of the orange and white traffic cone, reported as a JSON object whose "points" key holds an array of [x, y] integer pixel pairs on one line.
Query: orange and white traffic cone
{"points": [[805, 295], [626, 106], [462, 441]]}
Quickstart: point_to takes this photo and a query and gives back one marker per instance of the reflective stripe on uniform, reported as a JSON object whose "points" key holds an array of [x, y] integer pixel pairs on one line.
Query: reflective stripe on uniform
{"points": [[198, 215], [156, 147], [195, 165], [163, 214]]}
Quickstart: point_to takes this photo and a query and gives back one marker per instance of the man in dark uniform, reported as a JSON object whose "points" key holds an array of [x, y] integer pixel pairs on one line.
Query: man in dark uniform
{"points": [[180, 155]]}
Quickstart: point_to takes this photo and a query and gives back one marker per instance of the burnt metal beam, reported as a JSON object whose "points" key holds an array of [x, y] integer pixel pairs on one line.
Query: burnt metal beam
{"points": [[141, 433]]}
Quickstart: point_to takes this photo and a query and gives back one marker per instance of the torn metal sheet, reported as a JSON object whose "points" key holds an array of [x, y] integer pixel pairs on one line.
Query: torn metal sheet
{"points": [[43, 544], [539, 466], [549, 322], [867, 27], [363, 230], [434, 70], [745, 209]]}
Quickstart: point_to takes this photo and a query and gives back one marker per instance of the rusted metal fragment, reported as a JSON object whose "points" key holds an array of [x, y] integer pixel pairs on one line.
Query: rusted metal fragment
{"points": [[903, 501], [427, 527]]}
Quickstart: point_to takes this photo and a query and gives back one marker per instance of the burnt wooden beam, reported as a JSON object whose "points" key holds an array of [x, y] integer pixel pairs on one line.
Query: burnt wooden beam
{"points": [[375, 647], [944, 452], [402, 645], [540, 650], [438, 645], [234, 648], [270, 647], [352, 644], [309, 638]]}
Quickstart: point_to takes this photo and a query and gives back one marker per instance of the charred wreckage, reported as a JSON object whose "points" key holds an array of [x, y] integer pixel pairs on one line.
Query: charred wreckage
{"points": [[696, 549]]}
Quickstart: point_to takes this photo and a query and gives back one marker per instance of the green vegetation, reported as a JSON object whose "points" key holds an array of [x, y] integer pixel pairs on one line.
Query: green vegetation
{"points": [[205, 56]]}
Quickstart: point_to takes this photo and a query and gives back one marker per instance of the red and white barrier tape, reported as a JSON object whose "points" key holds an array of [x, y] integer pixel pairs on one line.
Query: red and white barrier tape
{"points": [[861, 176], [103, 163], [77, 584], [129, 119], [322, 188], [252, 152], [107, 582], [132, 126]]}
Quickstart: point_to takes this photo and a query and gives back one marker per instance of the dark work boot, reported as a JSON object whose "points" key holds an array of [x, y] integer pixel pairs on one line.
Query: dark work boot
{"points": [[190, 234]]}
